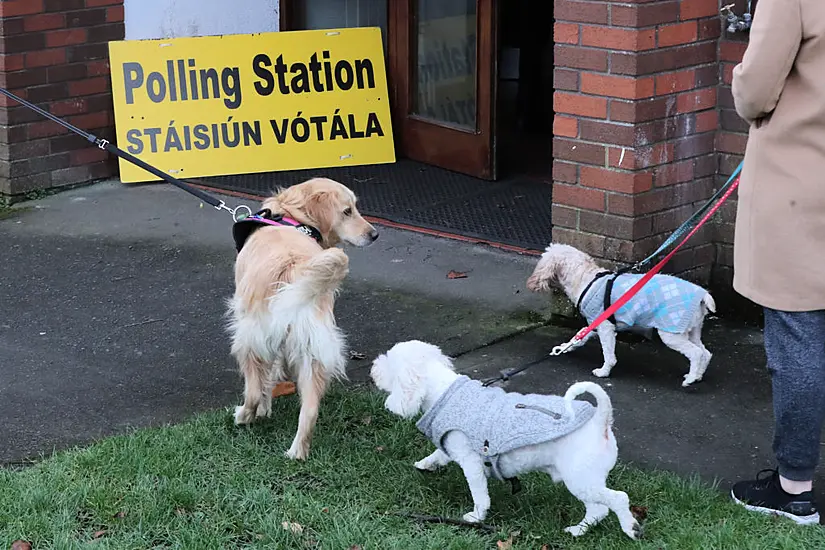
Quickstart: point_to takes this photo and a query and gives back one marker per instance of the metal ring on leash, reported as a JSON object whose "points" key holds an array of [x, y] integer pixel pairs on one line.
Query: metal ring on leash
{"points": [[241, 207], [235, 211]]}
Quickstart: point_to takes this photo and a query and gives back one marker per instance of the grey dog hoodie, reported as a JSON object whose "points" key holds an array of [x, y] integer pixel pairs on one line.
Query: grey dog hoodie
{"points": [[496, 421]]}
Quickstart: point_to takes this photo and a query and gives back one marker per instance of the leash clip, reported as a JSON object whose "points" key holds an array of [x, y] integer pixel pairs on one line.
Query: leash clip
{"points": [[102, 143], [238, 213], [561, 349]]}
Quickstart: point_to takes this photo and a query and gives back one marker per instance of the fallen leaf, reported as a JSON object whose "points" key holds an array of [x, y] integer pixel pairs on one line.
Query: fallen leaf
{"points": [[121, 514], [325, 509], [639, 512], [508, 544], [456, 275], [99, 534], [380, 449], [355, 547], [296, 528], [357, 355], [21, 545], [366, 421]]}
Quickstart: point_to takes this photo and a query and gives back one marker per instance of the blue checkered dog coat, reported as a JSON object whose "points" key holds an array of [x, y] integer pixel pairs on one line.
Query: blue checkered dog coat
{"points": [[666, 303]]}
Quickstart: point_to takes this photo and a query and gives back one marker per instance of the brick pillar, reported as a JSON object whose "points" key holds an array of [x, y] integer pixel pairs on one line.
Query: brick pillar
{"points": [[54, 53], [635, 101], [731, 141]]}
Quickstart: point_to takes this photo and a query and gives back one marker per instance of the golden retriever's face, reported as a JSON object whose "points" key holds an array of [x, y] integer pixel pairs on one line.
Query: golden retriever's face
{"points": [[330, 207], [337, 215]]}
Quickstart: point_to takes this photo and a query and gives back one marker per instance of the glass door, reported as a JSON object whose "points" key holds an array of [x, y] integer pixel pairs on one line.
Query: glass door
{"points": [[445, 73]]}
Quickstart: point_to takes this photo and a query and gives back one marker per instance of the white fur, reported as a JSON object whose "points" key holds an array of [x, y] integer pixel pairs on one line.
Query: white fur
{"points": [[415, 374], [565, 267]]}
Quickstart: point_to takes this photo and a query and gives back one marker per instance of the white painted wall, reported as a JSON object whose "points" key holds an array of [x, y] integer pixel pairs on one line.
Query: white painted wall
{"points": [[175, 18]]}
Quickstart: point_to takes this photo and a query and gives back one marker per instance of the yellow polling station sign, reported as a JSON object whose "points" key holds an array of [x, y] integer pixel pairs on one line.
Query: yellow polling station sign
{"points": [[247, 103]]}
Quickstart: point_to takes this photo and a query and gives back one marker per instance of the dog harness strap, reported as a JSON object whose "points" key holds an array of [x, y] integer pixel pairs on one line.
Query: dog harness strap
{"points": [[244, 227], [608, 291], [588, 287]]}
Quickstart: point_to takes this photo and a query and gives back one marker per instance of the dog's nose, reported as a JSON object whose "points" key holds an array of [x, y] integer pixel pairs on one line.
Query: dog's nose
{"points": [[373, 235]]}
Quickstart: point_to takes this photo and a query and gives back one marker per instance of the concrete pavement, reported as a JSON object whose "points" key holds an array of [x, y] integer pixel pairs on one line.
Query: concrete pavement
{"points": [[112, 317]]}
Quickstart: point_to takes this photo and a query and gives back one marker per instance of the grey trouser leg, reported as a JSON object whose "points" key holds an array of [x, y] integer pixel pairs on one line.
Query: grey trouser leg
{"points": [[795, 346]]}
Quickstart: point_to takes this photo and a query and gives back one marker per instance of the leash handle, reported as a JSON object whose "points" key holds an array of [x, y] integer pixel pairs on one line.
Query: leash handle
{"points": [[647, 276]]}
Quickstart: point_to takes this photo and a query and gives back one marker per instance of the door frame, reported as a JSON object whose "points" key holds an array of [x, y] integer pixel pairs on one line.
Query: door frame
{"points": [[469, 151], [472, 152]]}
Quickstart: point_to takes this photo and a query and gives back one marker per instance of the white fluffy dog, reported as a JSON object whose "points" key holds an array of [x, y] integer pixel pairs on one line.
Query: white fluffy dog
{"points": [[673, 307], [418, 376]]}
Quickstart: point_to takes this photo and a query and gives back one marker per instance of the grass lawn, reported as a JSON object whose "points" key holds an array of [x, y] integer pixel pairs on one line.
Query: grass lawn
{"points": [[207, 484]]}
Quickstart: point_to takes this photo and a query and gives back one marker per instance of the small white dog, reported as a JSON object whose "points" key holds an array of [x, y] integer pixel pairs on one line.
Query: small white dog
{"points": [[675, 308], [488, 431]]}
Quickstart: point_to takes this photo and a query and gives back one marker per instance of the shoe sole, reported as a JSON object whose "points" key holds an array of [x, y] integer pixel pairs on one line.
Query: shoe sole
{"points": [[813, 519]]}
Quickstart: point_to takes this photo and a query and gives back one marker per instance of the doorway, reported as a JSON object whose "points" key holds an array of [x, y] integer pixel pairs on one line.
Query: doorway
{"points": [[441, 71], [524, 118]]}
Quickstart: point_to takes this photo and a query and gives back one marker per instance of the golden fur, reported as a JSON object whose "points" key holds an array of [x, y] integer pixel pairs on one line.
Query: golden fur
{"points": [[283, 325]]}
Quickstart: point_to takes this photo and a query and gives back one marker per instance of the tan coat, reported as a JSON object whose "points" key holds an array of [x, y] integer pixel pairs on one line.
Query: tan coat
{"points": [[779, 88]]}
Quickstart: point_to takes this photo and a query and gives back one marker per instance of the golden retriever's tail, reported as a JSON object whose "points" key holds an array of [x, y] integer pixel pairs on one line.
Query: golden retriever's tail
{"points": [[322, 274], [604, 407], [301, 313]]}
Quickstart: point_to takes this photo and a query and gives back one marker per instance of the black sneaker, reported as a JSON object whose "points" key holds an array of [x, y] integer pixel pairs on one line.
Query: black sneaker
{"points": [[765, 494]]}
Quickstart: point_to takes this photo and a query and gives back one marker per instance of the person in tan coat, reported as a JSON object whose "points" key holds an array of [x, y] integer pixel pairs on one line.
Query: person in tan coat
{"points": [[779, 245]]}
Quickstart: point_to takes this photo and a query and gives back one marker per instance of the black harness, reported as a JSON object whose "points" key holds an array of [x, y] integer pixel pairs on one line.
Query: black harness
{"points": [[608, 290], [243, 228]]}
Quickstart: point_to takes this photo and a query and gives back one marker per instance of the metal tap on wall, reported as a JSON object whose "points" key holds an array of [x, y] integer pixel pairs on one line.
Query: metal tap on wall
{"points": [[737, 23]]}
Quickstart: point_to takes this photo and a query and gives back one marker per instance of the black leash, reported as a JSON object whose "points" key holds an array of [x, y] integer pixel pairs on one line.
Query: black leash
{"points": [[507, 374], [107, 146]]}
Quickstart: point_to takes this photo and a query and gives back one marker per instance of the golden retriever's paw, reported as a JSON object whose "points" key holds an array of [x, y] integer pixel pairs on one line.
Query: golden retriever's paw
{"points": [[264, 410], [243, 415], [297, 452]]}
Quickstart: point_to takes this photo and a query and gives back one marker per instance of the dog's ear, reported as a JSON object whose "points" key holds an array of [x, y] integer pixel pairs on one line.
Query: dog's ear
{"points": [[405, 404], [542, 276], [407, 395], [377, 371], [321, 207]]}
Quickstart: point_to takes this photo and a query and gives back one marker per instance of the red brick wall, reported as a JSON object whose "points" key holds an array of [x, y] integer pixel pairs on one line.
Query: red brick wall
{"points": [[636, 93], [731, 140], [54, 53]]}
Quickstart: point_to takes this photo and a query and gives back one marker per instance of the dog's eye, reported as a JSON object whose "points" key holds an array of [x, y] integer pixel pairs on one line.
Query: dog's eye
{"points": [[348, 212]]}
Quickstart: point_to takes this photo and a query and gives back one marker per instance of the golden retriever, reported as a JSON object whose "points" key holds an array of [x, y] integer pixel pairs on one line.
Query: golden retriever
{"points": [[282, 320]]}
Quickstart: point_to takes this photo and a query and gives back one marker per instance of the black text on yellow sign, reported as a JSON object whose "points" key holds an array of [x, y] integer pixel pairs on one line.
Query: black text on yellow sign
{"points": [[236, 104]]}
